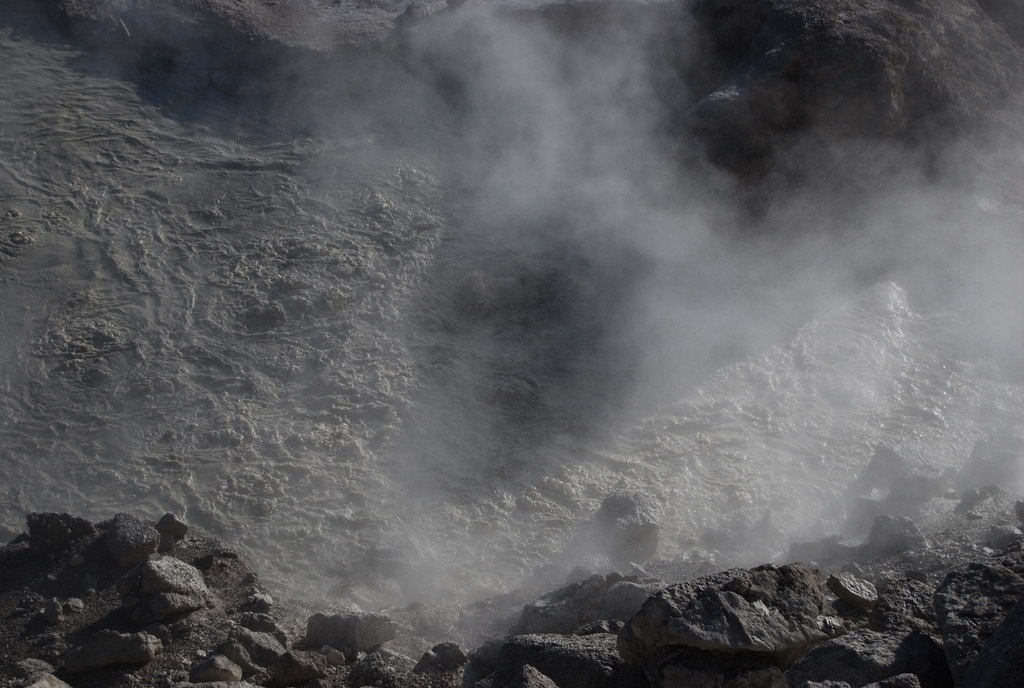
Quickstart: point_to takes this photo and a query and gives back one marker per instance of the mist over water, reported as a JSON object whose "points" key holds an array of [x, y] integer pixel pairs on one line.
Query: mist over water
{"points": [[396, 337]]}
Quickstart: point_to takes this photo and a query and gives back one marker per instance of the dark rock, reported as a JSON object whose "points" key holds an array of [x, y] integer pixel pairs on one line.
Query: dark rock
{"points": [[1003, 536], [130, 541], [53, 613], [972, 602], [158, 588], [997, 460], [599, 597], [110, 647], [863, 656], [483, 660], [382, 668], [169, 523], [216, 668], [50, 532], [769, 613], [359, 631], [904, 605], [854, 591], [1000, 663], [893, 535], [251, 650], [570, 661], [626, 527], [442, 657], [899, 681], [612, 626], [529, 677], [975, 496], [298, 666], [825, 550], [256, 621]]}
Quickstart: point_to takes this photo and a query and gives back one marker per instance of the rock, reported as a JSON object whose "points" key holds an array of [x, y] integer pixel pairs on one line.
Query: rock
{"points": [[256, 621], [50, 532], [251, 650], [110, 647], [904, 605], [1001, 537], [529, 677], [31, 669], [357, 631], [130, 541], [603, 626], [626, 527], [599, 597], [825, 550], [848, 68], [975, 496], [764, 617], [73, 605], [483, 661], [854, 591], [261, 601], [863, 656], [972, 602], [442, 657], [216, 668], [1000, 662], [997, 460], [893, 535], [898, 681], [298, 666], [382, 668], [53, 614], [48, 681], [570, 661], [158, 588], [169, 523]]}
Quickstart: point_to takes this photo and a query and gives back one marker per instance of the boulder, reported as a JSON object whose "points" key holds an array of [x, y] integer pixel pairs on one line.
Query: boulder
{"points": [[158, 588], [852, 590], [715, 624], [358, 632], [893, 535], [596, 598], [49, 532], [110, 647], [298, 666], [529, 677], [570, 661], [864, 656], [971, 604], [904, 605], [169, 523], [626, 527], [130, 541], [382, 668], [215, 668], [442, 657], [1000, 662], [251, 650]]}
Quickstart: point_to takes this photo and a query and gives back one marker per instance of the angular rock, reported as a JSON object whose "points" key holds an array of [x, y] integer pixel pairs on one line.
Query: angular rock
{"points": [[442, 657], [53, 613], [770, 614], [49, 532], [130, 541], [864, 656], [899, 681], [893, 535], [215, 668], [626, 527], [251, 650], [1000, 662], [905, 605], [597, 598], [110, 647], [529, 677], [382, 668], [48, 681], [972, 602], [298, 666], [570, 661], [158, 588], [1004, 536], [358, 632], [169, 523], [854, 591]]}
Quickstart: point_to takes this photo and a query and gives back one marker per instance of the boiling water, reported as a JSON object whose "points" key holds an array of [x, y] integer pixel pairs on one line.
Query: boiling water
{"points": [[301, 342]]}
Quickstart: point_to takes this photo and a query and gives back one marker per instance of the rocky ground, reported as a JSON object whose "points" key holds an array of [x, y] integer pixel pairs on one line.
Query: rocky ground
{"points": [[928, 599]]}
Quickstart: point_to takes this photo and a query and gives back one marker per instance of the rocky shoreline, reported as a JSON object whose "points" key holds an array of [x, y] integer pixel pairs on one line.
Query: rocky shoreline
{"points": [[129, 602]]}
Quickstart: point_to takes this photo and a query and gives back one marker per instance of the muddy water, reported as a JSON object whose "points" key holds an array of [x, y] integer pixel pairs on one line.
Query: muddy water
{"points": [[299, 342]]}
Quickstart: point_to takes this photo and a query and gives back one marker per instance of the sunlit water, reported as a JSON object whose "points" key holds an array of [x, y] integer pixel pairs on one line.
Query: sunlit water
{"points": [[260, 332]]}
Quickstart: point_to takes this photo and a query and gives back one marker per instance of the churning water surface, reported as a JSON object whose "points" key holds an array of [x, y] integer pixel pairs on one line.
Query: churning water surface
{"points": [[280, 338]]}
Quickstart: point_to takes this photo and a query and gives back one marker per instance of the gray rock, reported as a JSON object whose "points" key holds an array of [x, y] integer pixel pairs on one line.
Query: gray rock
{"points": [[905, 605], [570, 661], [768, 614], [298, 666], [1000, 662], [169, 523], [382, 668], [158, 588], [1001, 537], [854, 591], [893, 535], [529, 677], [597, 598], [626, 527], [110, 647], [864, 656], [215, 668], [971, 604], [73, 605], [442, 657], [130, 541], [31, 669], [899, 681], [53, 613], [257, 621], [49, 532], [358, 631], [48, 681], [251, 650]]}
